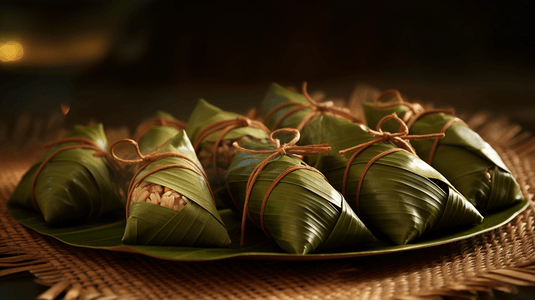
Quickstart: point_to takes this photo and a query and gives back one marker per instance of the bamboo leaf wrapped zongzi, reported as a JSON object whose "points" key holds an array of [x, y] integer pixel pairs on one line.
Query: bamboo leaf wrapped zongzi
{"points": [[462, 156], [162, 126], [392, 190], [169, 200], [73, 181], [291, 201], [283, 108], [213, 130]]}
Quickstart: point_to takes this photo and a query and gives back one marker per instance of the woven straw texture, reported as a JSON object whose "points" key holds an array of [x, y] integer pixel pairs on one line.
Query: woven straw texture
{"points": [[499, 259]]}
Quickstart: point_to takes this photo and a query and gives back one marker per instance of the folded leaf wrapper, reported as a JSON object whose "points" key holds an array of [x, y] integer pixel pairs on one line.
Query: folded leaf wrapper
{"points": [[176, 167], [462, 156], [283, 108], [162, 126], [400, 195], [303, 212], [73, 185], [209, 127], [276, 97]]}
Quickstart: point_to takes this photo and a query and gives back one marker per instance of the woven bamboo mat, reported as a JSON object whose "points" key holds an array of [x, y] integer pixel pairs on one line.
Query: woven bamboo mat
{"points": [[500, 259]]}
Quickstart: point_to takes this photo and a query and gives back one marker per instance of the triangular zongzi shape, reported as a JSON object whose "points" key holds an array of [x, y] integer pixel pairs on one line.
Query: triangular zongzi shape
{"points": [[462, 156], [73, 185], [303, 212], [399, 195], [195, 222]]}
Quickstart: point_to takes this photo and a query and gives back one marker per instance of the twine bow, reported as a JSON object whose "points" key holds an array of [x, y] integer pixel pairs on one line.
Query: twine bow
{"points": [[226, 126], [414, 112], [146, 160], [83, 143], [316, 110], [290, 149], [400, 139], [144, 127]]}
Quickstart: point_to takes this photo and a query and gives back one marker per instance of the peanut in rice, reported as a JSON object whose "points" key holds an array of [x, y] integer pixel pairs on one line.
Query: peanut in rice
{"points": [[159, 195]]}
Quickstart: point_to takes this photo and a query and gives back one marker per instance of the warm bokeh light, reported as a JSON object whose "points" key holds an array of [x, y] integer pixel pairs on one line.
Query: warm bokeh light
{"points": [[65, 108], [11, 51]]}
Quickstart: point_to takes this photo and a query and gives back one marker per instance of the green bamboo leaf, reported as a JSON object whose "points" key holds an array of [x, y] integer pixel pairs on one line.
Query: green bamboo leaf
{"points": [[373, 116], [303, 214], [205, 114], [183, 181], [157, 225], [75, 185], [401, 196], [276, 96], [157, 135], [106, 233], [462, 156], [198, 223]]}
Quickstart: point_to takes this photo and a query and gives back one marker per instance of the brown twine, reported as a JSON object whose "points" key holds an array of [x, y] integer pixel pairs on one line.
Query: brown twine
{"points": [[144, 127], [414, 112], [316, 110], [455, 270], [290, 149], [400, 139], [226, 126], [85, 144], [147, 160], [412, 108]]}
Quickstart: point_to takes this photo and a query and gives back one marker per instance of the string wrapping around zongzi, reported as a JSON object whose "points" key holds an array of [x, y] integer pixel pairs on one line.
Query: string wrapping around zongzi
{"points": [[279, 99], [180, 208], [400, 139], [75, 180], [399, 195], [145, 160], [290, 201], [224, 127], [462, 156]]}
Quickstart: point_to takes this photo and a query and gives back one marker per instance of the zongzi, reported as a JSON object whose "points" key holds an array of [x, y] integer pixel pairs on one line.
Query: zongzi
{"points": [[213, 130], [73, 181], [283, 108], [392, 190], [462, 156], [169, 200], [290, 201]]}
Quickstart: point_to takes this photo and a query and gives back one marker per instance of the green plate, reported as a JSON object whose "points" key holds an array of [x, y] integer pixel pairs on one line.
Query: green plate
{"points": [[106, 234]]}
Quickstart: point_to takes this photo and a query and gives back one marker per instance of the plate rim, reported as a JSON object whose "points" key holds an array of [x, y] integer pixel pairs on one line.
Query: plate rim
{"points": [[512, 212]]}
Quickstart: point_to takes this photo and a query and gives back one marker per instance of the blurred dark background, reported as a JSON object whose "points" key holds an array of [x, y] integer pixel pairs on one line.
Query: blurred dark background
{"points": [[118, 61]]}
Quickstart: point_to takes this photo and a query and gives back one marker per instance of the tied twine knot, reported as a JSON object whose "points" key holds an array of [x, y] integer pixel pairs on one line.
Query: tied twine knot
{"points": [[151, 157], [225, 126], [289, 149], [316, 110], [414, 112], [82, 143], [400, 139]]}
